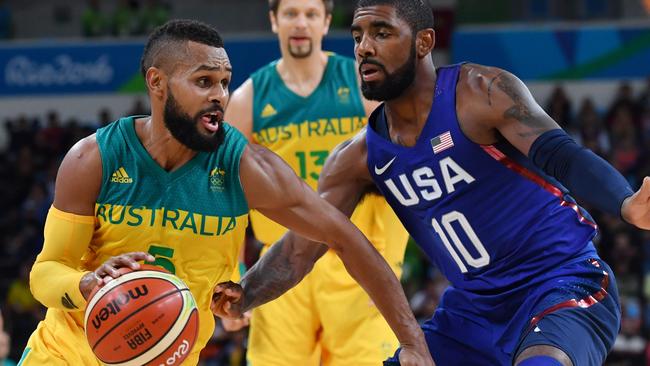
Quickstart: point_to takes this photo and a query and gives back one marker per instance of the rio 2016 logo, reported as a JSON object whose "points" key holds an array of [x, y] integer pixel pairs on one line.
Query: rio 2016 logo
{"points": [[181, 351]]}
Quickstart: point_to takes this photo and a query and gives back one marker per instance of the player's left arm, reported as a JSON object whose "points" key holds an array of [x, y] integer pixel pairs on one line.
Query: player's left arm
{"points": [[498, 104]]}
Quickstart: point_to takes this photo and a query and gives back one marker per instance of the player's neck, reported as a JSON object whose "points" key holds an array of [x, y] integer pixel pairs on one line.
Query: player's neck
{"points": [[411, 109], [302, 75], [163, 148]]}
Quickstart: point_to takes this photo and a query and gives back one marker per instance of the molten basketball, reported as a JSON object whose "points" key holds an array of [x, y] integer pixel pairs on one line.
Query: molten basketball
{"points": [[145, 317]]}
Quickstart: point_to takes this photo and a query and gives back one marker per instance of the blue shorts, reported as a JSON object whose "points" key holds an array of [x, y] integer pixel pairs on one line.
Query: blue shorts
{"points": [[577, 310]]}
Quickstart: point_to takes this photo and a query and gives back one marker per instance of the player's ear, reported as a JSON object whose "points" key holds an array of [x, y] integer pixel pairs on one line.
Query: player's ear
{"points": [[424, 42], [274, 21], [328, 21], [155, 81]]}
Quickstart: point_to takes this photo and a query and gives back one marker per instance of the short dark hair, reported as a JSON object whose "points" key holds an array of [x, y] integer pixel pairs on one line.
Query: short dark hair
{"points": [[275, 4], [417, 13], [171, 36]]}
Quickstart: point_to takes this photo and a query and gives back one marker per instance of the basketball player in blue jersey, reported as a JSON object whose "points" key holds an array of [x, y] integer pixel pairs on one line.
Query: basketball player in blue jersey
{"points": [[479, 175], [174, 188]]}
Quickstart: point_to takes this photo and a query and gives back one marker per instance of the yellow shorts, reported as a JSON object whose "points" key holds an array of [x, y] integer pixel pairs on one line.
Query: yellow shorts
{"points": [[59, 340], [328, 317]]}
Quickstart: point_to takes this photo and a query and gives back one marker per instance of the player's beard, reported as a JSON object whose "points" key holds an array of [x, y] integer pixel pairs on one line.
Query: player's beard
{"points": [[301, 51], [394, 83], [185, 128]]}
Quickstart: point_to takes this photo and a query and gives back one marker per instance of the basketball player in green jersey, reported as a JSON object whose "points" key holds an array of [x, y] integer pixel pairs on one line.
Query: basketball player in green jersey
{"points": [[300, 107], [174, 189]]}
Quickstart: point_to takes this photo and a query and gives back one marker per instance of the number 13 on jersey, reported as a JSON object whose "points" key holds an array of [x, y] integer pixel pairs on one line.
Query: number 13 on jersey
{"points": [[310, 163]]}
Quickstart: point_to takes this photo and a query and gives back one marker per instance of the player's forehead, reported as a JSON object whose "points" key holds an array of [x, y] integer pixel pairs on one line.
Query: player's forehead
{"points": [[301, 4], [201, 56], [376, 15]]}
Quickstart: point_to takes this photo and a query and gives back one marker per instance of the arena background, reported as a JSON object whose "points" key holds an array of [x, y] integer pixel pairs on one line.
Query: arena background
{"points": [[68, 67]]}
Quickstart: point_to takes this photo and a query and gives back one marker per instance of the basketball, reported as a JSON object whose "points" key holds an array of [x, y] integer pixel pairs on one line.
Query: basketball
{"points": [[144, 317]]}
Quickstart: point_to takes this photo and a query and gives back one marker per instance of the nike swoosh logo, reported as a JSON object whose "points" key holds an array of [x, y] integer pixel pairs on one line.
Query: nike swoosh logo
{"points": [[380, 171]]}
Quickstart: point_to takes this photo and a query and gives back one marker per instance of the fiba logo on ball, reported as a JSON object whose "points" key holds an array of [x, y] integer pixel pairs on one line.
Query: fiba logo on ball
{"points": [[145, 317]]}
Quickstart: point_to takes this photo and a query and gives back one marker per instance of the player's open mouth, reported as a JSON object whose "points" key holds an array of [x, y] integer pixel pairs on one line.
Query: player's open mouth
{"points": [[298, 39], [369, 72], [211, 120]]}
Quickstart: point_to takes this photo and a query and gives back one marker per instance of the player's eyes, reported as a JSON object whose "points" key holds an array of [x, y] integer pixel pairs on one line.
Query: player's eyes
{"points": [[203, 82]]}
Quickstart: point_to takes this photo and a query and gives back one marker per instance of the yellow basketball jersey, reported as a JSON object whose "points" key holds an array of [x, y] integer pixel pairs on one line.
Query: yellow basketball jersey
{"points": [[304, 130], [192, 220]]}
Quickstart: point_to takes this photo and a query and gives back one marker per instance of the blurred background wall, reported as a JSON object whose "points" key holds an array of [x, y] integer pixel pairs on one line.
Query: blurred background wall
{"points": [[68, 67]]}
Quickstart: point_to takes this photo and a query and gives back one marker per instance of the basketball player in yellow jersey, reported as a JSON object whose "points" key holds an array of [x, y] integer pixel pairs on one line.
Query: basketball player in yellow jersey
{"points": [[174, 189], [301, 107]]}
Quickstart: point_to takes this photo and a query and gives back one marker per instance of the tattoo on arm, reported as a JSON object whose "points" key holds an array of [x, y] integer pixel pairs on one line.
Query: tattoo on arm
{"points": [[275, 273], [489, 90], [520, 110]]}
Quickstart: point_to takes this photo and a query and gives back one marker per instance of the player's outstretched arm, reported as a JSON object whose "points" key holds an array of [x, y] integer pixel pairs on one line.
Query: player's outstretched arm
{"points": [[55, 279], [636, 208], [497, 102], [273, 188]]}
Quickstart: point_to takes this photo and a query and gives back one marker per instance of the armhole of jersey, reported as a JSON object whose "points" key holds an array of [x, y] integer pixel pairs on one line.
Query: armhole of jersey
{"points": [[258, 79], [105, 177], [239, 144]]}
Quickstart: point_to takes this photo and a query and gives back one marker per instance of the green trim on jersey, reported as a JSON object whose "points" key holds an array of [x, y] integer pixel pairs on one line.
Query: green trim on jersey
{"points": [[271, 95], [208, 184]]}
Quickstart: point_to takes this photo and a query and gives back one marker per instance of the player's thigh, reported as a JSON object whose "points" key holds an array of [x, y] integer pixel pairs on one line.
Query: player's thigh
{"points": [[62, 346], [285, 330], [357, 335], [585, 326], [459, 340]]}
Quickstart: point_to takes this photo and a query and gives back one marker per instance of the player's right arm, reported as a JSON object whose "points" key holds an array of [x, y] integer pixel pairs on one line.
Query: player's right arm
{"points": [[56, 280], [239, 112]]}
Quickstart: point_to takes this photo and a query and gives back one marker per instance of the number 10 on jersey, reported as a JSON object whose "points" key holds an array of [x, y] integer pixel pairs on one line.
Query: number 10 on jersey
{"points": [[446, 232]]}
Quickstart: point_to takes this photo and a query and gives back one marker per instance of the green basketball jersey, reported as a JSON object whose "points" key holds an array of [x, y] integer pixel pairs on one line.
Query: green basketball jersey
{"points": [[303, 130]]}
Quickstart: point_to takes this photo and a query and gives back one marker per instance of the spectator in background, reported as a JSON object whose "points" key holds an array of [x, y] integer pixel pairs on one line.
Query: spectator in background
{"points": [[138, 108], [104, 117], [629, 347], [625, 141], [6, 21], [624, 100], [93, 22], [644, 98], [5, 345], [591, 129], [53, 132], [24, 311], [125, 21], [153, 14], [559, 108]]}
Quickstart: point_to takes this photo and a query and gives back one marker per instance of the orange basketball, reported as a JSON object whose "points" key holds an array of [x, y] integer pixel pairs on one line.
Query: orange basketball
{"points": [[145, 317]]}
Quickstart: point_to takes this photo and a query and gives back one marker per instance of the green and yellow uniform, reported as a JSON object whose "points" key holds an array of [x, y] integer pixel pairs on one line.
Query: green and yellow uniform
{"points": [[328, 315], [192, 220]]}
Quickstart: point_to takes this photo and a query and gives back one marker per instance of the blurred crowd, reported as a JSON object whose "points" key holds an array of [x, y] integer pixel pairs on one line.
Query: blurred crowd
{"points": [[129, 18], [31, 148]]}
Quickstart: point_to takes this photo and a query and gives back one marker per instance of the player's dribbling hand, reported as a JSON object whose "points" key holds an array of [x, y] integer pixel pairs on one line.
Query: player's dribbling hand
{"points": [[111, 269], [234, 325], [226, 300], [415, 356], [636, 208]]}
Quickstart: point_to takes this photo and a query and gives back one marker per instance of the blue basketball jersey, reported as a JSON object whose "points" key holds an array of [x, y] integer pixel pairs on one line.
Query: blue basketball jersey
{"points": [[490, 220]]}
